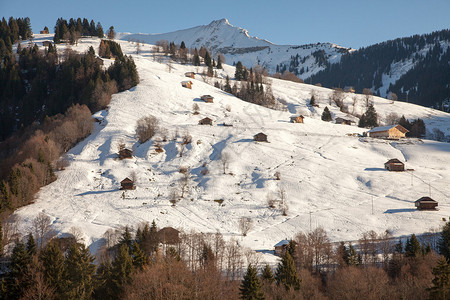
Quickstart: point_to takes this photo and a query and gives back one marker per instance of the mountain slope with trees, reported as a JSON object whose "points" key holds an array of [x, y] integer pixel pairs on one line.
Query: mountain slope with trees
{"points": [[415, 69]]}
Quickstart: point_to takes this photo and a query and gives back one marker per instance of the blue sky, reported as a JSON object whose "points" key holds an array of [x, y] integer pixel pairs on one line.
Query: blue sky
{"points": [[348, 23]]}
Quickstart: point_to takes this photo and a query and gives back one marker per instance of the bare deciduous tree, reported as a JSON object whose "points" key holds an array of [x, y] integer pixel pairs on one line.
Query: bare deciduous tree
{"points": [[184, 182], [42, 229], [195, 108], [392, 119], [174, 197], [146, 128], [282, 204], [245, 225], [225, 159], [368, 95]]}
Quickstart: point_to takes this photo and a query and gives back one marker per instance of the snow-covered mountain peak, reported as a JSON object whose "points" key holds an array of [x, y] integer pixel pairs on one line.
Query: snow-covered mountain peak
{"points": [[237, 44]]}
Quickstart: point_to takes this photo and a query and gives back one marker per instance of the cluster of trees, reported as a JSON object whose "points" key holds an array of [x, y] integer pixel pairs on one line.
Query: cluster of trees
{"points": [[46, 101], [194, 56], [416, 127], [369, 117], [198, 266], [424, 84], [11, 32], [74, 29], [108, 49], [28, 160], [249, 86]]}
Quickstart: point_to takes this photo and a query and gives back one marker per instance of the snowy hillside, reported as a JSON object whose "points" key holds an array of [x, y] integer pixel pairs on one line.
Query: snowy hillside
{"points": [[237, 45], [331, 177]]}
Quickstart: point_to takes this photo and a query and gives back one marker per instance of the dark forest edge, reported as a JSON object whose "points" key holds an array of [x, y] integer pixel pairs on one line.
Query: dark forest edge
{"points": [[152, 263], [46, 102]]}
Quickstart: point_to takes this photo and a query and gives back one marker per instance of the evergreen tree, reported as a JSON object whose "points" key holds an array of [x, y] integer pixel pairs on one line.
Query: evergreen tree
{"points": [[312, 101], [183, 45], [267, 275], [404, 122], [219, 63], [31, 245], [250, 286], [326, 115], [441, 281], [79, 273], [126, 239], [444, 241], [239, 73], [369, 118], [139, 258], [16, 281], [286, 273], [122, 268], [104, 276], [99, 30], [52, 259], [196, 59], [207, 58], [111, 33], [343, 254], [227, 87], [412, 247]]}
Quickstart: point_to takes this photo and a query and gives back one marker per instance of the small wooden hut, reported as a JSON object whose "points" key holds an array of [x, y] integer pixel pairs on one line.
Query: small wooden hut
{"points": [[125, 153], [207, 98], [169, 236], [297, 119], [190, 75], [388, 132], [127, 184], [394, 165], [187, 84], [426, 203], [280, 247], [260, 137], [342, 121], [205, 121]]}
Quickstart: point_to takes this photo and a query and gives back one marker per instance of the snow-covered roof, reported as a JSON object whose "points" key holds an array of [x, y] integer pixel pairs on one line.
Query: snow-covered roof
{"points": [[282, 243], [382, 128]]}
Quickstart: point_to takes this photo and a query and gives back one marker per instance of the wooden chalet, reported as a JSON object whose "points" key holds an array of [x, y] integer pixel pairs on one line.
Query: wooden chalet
{"points": [[169, 236], [260, 137], [45, 31], [280, 247], [187, 84], [297, 119], [394, 165], [205, 121], [190, 75], [342, 121], [46, 43], [426, 203], [125, 153], [207, 98], [388, 132], [127, 184]]}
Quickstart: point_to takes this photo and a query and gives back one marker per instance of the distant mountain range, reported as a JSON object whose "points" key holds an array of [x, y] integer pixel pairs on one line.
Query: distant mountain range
{"points": [[416, 68], [237, 45]]}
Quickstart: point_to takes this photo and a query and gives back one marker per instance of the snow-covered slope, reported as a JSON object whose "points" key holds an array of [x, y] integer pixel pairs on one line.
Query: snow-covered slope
{"points": [[331, 178], [237, 45]]}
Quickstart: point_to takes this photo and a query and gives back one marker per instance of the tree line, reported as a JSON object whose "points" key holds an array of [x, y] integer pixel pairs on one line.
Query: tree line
{"points": [[145, 263], [75, 29], [424, 84], [46, 102], [11, 32]]}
